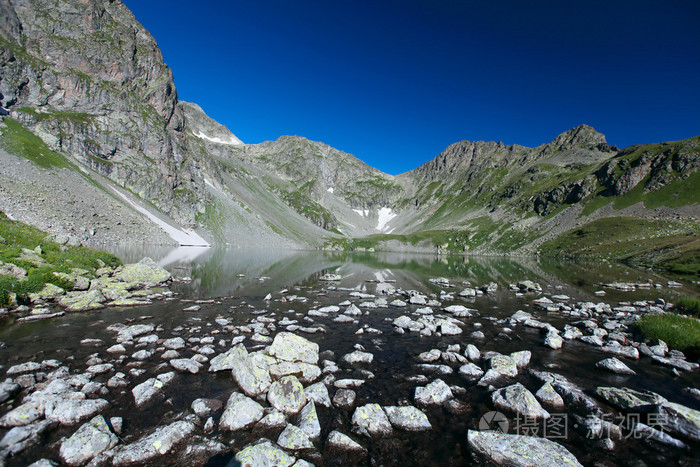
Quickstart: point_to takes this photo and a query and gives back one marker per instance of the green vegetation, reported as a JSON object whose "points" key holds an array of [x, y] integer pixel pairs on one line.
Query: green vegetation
{"points": [[669, 245], [687, 305], [677, 331], [313, 211], [58, 258], [22, 142], [81, 118]]}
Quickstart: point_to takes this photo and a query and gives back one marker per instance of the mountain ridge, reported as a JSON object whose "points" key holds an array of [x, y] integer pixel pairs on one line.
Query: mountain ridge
{"points": [[86, 84]]}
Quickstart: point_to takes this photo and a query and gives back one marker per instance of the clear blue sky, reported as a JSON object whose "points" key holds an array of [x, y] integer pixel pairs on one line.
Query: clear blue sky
{"points": [[395, 82]]}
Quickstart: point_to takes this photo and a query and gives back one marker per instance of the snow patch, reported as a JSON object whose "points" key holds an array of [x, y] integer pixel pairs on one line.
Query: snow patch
{"points": [[232, 140], [181, 236], [330, 190], [385, 216], [363, 213]]}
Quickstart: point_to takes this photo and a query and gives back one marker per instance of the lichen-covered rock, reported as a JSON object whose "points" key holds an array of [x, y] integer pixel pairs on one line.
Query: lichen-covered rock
{"points": [[48, 292], [287, 395], [88, 441], [630, 399], [186, 365], [318, 393], [308, 421], [434, 393], [240, 412], [72, 411], [370, 420], [292, 348], [516, 398], [294, 438], [471, 371], [150, 390], [341, 442], [264, 453], [306, 372], [145, 273], [680, 419], [518, 450], [504, 365], [205, 407], [157, 444], [408, 418], [548, 396], [82, 301], [78, 282]]}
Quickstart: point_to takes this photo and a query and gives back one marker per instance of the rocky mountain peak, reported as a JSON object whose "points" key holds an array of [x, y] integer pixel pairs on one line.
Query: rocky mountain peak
{"points": [[10, 26], [205, 128], [580, 136]]}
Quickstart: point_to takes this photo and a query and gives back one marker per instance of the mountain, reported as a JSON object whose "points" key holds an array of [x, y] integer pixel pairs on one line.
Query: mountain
{"points": [[98, 148]]}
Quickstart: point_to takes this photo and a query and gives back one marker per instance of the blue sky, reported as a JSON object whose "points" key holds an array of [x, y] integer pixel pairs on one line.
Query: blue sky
{"points": [[395, 82]]}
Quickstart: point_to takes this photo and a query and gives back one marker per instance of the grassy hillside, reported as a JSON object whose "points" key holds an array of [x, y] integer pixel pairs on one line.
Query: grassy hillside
{"points": [[673, 246]]}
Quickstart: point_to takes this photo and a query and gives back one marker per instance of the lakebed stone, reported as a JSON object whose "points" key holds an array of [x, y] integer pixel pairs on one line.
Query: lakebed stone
{"points": [[155, 445], [519, 450], [370, 420], [87, 442]]}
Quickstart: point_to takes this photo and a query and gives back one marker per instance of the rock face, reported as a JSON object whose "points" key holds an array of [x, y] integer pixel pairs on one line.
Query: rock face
{"points": [[73, 62]]}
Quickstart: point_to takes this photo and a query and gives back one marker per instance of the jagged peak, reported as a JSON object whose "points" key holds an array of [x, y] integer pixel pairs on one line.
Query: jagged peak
{"points": [[581, 135]]}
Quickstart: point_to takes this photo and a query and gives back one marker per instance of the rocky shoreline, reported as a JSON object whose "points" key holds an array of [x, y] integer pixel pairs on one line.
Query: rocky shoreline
{"points": [[292, 401]]}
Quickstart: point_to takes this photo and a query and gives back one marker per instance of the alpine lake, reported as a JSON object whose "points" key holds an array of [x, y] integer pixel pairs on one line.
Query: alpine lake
{"points": [[224, 296]]}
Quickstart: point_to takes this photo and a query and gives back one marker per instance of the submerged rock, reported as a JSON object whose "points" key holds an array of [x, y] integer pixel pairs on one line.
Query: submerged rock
{"points": [[518, 450]]}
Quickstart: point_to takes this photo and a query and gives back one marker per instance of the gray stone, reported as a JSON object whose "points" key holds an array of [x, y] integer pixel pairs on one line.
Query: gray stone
{"points": [[176, 343], [408, 418], [340, 442], [471, 371], [273, 421], [434, 393], [630, 399], [82, 301], [8, 390], [615, 365], [264, 453], [250, 372], [344, 398], [185, 365], [157, 444], [518, 450], [292, 348], [518, 399], [548, 396], [472, 353], [72, 411], [572, 394], [240, 412], [287, 395], [308, 421], [88, 441], [20, 438], [553, 340], [680, 419], [306, 372], [145, 273], [203, 408], [151, 390], [293, 438], [370, 420], [319, 394], [505, 365], [358, 357]]}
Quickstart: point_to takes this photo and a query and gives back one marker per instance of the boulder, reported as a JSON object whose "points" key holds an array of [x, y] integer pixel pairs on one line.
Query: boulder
{"points": [[292, 348], [518, 450], [680, 419], [630, 399], [82, 301], [294, 438], [308, 421], [358, 357], [157, 444], [72, 411], [264, 453], [186, 365], [287, 395], [338, 441], [615, 365], [408, 418], [319, 394], [471, 371], [145, 273], [240, 412], [370, 420], [548, 396], [434, 393], [88, 441], [250, 372], [516, 398]]}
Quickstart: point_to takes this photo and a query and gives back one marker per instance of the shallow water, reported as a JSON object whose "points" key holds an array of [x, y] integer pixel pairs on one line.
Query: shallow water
{"points": [[239, 280]]}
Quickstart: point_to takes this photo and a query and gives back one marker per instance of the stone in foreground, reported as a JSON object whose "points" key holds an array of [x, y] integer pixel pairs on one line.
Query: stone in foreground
{"points": [[516, 398], [408, 418], [157, 444], [88, 441], [518, 450], [240, 412], [292, 348], [370, 420], [287, 395], [264, 453]]}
